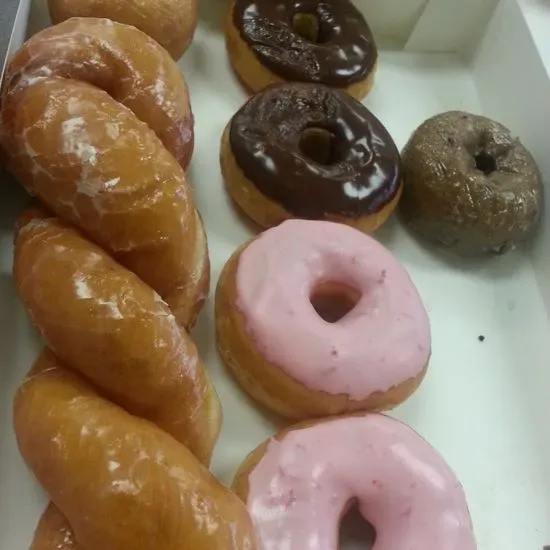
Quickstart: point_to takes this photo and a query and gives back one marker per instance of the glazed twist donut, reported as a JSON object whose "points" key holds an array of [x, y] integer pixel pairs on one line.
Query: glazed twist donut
{"points": [[96, 165], [81, 105], [103, 321], [122, 482]]}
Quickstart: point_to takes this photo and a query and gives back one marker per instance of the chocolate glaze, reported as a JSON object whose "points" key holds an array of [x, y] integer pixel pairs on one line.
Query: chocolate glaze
{"points": [[345, 52], [364, 173]]}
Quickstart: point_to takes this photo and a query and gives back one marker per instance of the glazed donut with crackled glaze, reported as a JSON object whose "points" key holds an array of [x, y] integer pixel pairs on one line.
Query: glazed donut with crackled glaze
{"points": [[171, 23], [316, 318], [120, 481], [96, 123], [470, 186], [106, 323], [317, 41], [299, 484], [307, 151], [108, 163]]}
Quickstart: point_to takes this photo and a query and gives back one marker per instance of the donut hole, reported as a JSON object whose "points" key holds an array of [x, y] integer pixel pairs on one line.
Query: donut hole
{"points": [[308, 26], [356, 533], [333, 301], [319, 145], [485, 163]]}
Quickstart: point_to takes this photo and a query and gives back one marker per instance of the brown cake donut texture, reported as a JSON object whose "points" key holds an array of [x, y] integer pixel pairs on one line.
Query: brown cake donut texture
{"points": [[469, 185]]}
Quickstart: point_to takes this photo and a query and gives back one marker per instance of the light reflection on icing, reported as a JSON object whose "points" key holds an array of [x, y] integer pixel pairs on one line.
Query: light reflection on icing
{"points": [[81, 287], [360, 175], [403, 486], [381, 343], [76, 140]]}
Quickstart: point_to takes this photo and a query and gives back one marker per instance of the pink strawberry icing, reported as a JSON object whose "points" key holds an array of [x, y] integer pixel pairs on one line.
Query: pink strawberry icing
{"points": [[382, 342], [303, 484]]}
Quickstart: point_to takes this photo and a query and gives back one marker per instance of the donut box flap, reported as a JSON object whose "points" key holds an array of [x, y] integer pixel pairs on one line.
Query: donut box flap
{"points": [[428, 25]]}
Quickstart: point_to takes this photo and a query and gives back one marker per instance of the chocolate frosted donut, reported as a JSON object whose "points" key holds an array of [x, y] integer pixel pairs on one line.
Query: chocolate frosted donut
{"points": [[469, 185], [316, 41], [308, 151]]}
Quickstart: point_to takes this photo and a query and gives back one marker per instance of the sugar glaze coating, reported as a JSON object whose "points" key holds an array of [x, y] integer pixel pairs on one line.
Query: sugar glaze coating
{"points": [[298, 485], [344, 51], [382, 341]]}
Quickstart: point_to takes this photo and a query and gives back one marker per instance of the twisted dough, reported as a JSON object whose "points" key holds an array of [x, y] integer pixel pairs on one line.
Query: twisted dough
{"points": [[81, 105], [103, 321], [171, 23], [120, 481]]}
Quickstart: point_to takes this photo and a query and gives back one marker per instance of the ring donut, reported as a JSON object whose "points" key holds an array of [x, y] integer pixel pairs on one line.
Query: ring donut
{"points": [[316, 318], [325, 42], [307, 151], [299, 484], [470, 185]]}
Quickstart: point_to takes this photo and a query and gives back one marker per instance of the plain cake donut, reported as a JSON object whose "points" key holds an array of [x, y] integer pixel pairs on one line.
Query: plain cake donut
{"points": [[299, 484], [307, 151], [469, 185], [315, 318], [324, 42]]}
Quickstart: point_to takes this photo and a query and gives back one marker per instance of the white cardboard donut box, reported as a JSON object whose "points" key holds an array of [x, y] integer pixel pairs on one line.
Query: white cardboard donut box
{"points": [[484, 403]]}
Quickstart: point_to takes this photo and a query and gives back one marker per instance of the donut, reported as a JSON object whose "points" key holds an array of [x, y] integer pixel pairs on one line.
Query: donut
{"points": [[95, 122], [300, 483], [323, 42], [117, 481], [117, 420], [316, 318], [469, 185], [307, 151], [106, 323], [171, 23]]}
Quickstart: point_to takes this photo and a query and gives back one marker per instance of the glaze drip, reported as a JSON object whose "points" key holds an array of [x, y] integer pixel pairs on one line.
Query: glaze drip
{"points": [[344, 51], [361, 172]]}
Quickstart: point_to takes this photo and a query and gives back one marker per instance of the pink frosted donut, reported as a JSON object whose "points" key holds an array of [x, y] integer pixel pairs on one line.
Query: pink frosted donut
{"points": [[299, 484], [317, 318]]}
